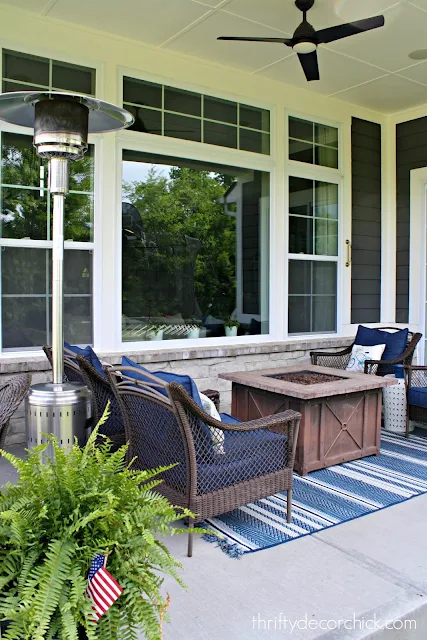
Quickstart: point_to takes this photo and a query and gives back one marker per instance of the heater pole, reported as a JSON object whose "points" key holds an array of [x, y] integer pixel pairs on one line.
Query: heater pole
{"points": [[57, 289], [58, 185]]}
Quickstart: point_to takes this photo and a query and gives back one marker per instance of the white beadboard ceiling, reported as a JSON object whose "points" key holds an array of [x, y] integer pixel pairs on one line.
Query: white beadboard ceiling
{"points": [[372, 69]]}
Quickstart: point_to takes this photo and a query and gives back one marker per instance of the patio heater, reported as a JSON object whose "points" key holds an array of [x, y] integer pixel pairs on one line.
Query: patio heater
{"points": [[61, 123]]}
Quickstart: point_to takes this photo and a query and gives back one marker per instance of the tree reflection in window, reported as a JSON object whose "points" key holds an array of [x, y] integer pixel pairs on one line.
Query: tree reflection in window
{"points": [[181, 227]]}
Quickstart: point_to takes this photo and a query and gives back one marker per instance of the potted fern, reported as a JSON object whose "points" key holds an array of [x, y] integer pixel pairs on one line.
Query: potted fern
{"points": [[61, 515]]}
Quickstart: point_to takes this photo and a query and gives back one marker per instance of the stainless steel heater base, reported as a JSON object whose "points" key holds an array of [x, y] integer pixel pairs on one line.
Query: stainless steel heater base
{"points": [[64, 410]]}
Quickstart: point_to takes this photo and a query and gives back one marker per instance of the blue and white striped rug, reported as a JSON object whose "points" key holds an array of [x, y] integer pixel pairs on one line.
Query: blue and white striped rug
{"points": [[328, 497]]}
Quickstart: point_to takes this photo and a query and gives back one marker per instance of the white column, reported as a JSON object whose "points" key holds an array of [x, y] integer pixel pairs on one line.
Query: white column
{"points": [[107, 253], [345, 231], [388, 224], [279, 229]]}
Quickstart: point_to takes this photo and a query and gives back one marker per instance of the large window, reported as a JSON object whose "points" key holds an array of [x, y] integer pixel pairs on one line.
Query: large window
{"points": [[194, 249], [26, 219], [167, 111]]}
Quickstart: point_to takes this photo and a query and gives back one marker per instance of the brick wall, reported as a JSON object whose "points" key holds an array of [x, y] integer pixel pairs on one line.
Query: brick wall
{"points": [[202, 364]]}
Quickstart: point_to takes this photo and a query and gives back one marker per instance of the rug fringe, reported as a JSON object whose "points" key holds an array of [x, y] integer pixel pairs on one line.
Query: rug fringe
{"points": [[230, 548]]}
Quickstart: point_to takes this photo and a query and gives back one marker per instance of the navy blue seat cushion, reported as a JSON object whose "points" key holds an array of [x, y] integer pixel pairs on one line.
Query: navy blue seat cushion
{"points": [[395, 343], [168, 377], [90, 356], [247, 455], [225, 417], [418, 396]]}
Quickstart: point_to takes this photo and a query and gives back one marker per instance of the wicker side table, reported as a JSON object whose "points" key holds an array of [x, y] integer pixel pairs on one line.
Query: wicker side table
{"points": [[394, 402]]}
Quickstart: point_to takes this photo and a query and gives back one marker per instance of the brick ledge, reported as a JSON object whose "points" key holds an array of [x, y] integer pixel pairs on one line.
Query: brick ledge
{"points": [[38, 362]]}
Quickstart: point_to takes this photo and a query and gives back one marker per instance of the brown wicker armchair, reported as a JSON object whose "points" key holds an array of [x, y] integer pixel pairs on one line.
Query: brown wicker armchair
{"points": [[340, 359], [12, 393], [102, 393], [416, 394], [72, 371], [221, 465]]}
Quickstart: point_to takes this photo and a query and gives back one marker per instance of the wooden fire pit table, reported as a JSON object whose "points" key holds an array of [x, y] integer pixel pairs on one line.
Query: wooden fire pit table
{"points": [[341, 411]]}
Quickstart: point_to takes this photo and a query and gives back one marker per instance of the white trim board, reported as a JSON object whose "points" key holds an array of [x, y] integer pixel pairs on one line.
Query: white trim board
{"points": [[417, 253]]}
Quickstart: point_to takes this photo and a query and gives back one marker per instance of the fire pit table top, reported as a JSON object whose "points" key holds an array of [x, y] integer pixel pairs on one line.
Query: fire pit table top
{"points": [[331, 382]]}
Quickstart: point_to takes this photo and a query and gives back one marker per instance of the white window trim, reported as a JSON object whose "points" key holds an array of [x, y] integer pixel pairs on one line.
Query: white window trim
{"points": [[418, 257]]}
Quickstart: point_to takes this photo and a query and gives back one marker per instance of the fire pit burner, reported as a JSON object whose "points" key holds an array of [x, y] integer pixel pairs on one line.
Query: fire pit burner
{"points": [[306, 377]]}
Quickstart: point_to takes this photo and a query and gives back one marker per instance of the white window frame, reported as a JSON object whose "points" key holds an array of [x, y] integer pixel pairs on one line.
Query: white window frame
{"points": [[315, 172], [95, 140], [147, 143]]}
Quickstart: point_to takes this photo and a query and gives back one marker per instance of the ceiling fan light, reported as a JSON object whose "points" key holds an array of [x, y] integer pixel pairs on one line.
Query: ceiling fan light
{"points": [[304, 47]]}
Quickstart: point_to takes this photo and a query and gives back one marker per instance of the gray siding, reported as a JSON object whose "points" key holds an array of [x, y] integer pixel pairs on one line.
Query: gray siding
{"points": [[411, 151], [366, 221]]}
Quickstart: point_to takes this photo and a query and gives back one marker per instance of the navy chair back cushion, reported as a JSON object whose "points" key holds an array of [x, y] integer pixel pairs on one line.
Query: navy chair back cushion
{"points": [[168, 377], [89, 354], [395, 342]]}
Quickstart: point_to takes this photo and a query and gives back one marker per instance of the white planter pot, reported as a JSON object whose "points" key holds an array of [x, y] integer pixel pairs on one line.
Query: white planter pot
{"points": [[155, 335], [194, 332], [230, 331]]}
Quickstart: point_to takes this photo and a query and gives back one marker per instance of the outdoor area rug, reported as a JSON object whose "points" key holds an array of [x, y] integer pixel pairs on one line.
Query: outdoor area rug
{"points": [[326, 498]]}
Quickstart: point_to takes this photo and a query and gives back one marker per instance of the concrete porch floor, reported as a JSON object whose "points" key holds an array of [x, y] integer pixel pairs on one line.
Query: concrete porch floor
{"points": [[373, 568]]}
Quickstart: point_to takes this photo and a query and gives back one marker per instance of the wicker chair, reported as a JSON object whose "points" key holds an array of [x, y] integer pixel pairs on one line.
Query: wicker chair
{"points": [[416, 394], [102, 393], [340, 359], [12, 393], [221, 465], [72, 371]]}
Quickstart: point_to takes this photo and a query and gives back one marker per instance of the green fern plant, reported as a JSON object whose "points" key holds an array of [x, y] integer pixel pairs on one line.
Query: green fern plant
{"points": [[57, 517]]}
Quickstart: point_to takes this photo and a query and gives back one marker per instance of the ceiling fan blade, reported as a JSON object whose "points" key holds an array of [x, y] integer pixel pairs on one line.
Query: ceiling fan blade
{"points": [[310, 65], [351, 29], [279, 40]]}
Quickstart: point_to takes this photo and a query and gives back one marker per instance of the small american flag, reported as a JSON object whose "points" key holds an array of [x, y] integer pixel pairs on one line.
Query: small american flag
{"points": [[102, 589]]}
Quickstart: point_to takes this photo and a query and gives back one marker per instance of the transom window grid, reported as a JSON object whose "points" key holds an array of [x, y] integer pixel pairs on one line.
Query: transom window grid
{"points": [[313, 143], [168, 111], [26, 72]]}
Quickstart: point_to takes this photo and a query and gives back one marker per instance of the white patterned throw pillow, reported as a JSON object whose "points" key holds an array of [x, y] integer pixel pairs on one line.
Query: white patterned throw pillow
{"points": [[217, 434], [360, 353]]}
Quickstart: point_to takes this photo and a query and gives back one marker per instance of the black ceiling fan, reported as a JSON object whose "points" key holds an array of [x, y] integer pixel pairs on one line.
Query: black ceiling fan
{"points": [[306, 39]]}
